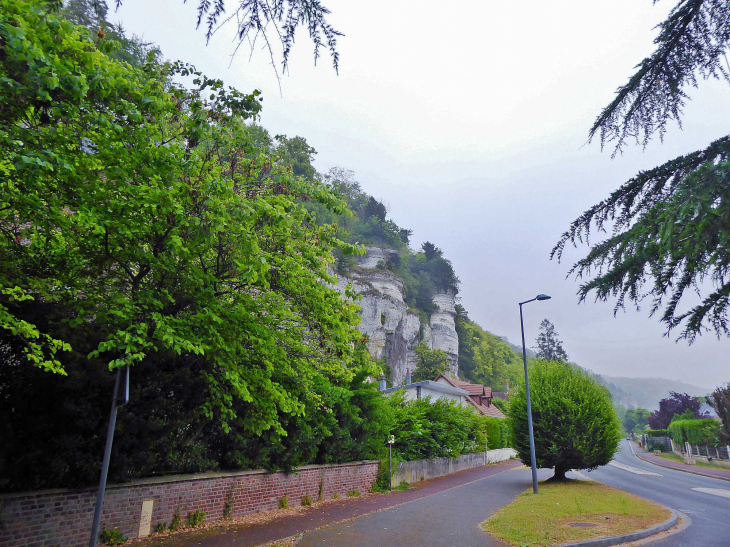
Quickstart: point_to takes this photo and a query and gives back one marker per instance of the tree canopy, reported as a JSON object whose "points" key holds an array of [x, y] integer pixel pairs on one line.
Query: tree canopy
{"points": [[669, 229], [549, 346], [429, 362], [676, 404], [574, 423], [720, 401], [145, 223]]}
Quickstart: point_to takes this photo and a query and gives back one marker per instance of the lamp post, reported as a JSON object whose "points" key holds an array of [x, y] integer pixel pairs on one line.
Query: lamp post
{"points": [[527, 391], [118, 399]]}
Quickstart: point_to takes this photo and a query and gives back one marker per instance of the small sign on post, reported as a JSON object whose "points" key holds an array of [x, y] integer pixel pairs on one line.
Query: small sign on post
{"points": [[391, 441]]}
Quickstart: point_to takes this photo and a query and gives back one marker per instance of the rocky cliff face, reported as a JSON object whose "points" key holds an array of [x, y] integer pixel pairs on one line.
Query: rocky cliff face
{"points": [[392, 330]]}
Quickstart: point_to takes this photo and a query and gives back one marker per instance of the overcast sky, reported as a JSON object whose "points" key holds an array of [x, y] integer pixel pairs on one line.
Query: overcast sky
{"points": [[469, 120]]}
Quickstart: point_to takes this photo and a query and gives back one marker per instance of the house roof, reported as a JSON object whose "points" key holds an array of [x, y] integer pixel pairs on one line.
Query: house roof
{"points": [[433, 386], [472, 389], [475, 391], [501, 395], [492, 411]]}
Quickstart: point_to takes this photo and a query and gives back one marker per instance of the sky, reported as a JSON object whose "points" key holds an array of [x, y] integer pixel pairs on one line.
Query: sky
{"points": [[470, 121]]}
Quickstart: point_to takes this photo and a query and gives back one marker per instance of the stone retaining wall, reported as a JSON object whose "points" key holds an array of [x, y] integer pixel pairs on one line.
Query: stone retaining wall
{"points": [[63, 517], [421, 470]]}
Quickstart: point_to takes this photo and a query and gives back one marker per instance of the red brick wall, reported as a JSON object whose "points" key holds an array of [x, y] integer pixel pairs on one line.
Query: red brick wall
{"points": [[63, 517]]}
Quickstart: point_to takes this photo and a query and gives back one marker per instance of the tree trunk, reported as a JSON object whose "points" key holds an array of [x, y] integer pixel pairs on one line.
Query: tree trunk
{"points": [[559, 475]]}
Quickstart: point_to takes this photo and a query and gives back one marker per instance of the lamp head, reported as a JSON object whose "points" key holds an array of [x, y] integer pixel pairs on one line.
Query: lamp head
{"points": [[543, 297]]}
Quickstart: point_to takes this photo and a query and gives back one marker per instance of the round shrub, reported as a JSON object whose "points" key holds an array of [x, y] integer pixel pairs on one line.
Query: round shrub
{"points": [[574, 422]]}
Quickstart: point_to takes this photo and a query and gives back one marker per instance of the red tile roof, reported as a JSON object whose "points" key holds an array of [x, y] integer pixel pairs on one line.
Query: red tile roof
{"points": [[475, 391]]}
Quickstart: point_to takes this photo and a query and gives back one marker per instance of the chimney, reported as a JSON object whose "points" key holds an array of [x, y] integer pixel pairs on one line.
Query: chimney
{"points": [[383, 384], [408, 376]]}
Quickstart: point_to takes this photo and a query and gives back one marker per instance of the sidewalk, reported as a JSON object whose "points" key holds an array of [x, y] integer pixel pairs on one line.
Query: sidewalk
{"points": [[642, 454], [326, 514]]}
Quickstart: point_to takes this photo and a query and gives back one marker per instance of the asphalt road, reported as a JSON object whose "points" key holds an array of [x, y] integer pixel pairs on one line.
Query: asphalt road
{"points": [[708, 508], [445, 519]]}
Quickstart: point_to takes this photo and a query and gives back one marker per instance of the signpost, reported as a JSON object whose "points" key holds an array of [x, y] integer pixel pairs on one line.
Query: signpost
{"points": [[390, 459]]}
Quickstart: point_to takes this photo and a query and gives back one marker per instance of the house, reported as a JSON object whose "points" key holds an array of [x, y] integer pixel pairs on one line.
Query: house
{"points": [[504, 395], [478, 395], [427, 388]]}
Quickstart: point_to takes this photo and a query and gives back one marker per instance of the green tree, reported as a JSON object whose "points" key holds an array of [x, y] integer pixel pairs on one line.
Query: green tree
{"points": [[669, 228], [142, 225], [636, 419], [575, 425], [549, 347], [720, 401], [429, 362]]}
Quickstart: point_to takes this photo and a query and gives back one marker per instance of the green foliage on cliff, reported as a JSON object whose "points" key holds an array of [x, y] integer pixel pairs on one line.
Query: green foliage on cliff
{"points": [[483, 357], [429, 362]]}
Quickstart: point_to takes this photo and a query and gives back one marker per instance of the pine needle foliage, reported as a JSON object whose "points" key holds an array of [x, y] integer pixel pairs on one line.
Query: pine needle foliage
{"points": [[670, 233], [669, 226], [692, 42], [254, 20]]}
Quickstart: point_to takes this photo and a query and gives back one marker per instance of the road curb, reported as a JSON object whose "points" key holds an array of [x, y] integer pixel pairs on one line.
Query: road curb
{"points": [[671, 522], [693, 472]]}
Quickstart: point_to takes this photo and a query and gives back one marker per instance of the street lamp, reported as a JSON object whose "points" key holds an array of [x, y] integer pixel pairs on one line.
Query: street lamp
{"points": [[527, 391], [118, 399]]}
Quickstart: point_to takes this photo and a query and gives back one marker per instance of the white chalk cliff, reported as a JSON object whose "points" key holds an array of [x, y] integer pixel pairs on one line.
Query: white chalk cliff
{"points": [[392, 330]]}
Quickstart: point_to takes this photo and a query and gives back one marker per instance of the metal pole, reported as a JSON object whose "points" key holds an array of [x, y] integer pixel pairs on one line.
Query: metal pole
{"points": [[390, 462], [529, 406], [107, 453]]}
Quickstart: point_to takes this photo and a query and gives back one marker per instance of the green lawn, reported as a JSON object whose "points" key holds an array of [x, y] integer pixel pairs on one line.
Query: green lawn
{"points": [[556, 514], [679, 459]]}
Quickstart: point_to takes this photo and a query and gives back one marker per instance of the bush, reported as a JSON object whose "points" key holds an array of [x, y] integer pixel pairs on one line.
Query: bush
{"points": [[306, 501], [575, 424], [353, 493], [657, 432], [426, 429], [284, 503], [695, 431], [493, 428]]}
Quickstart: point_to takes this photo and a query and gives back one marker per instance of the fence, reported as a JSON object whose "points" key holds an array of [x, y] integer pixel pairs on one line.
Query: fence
{"points": [[666, 444], [420, 470]]}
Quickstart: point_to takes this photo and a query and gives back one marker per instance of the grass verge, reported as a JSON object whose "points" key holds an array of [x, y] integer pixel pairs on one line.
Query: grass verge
{"points": [[679, 459], [572, 511]]}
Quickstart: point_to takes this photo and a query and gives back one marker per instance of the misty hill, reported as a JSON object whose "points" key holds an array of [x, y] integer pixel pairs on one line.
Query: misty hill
{"points": [[645, 392]]}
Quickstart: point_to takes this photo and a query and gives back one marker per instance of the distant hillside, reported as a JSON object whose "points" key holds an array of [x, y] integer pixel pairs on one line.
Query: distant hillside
{"points": [[518, 349], [645, 392]]}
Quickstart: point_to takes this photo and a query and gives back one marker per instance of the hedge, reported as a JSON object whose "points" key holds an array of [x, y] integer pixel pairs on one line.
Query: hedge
{"points": [[695, 431], [498, 433], [657, 432]]}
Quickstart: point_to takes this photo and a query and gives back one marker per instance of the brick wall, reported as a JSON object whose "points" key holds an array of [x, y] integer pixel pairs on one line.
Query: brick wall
{"points": [[63, 517]]}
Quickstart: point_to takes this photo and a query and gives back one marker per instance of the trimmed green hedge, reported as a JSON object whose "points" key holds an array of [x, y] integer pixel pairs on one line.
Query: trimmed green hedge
{"points": [[498, 433], [695, 431], [657, 432]]}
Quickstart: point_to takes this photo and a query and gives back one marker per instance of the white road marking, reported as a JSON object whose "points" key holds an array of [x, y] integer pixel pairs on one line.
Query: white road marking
{"points": [[581, 476], [714, 491], [634, 470]]}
